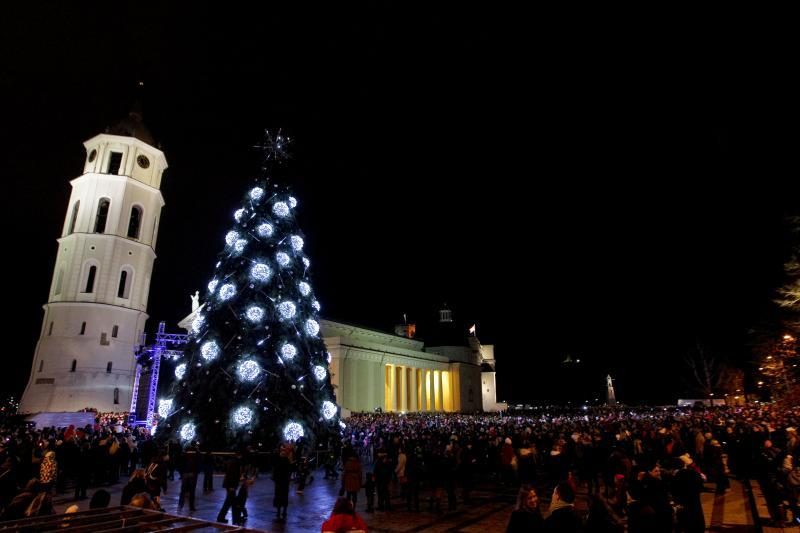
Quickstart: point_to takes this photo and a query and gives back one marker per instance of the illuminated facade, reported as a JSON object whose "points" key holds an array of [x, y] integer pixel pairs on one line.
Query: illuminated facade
{"points": [[96, 309]]}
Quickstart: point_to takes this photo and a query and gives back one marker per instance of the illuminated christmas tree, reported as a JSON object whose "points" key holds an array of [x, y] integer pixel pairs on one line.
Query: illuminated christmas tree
{"points": [[255, 370]]}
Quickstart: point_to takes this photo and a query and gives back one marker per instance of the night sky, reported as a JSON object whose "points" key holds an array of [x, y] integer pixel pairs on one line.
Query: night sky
{"points": [[570, 196]]}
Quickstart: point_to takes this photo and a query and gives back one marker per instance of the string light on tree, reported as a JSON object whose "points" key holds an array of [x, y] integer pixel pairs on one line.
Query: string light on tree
{"points": [[164, 407], [304, 288], [255, 313], [287, 309], [293, 431], [210, 350], [260, 272], [242, 416], [297, 243], [312, 327], [288, 351], [328, 409], [187, 431], [283, 259], [280, 209], [265, 230], [231, 237], [227, 291], [248, 370]]}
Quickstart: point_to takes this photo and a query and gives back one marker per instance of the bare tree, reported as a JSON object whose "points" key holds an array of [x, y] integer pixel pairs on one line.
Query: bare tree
{"points": [[705, 370], [789, 294]]}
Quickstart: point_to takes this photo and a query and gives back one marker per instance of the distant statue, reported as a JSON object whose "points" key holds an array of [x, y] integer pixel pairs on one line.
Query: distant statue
{"points": [[611, 398], [195, 300]]}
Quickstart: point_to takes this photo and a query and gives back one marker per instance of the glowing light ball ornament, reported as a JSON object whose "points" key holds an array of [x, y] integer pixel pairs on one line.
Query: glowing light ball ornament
{"points": [[227, 291], [320, 372], [187, 431], [297, 243], [315, 305], [240, 245], [238, 215], [328, 409], [255, 313], [287, 309], [288, 351], [342, 425], [231, 237], [197, 323], [180, 370], [305, 288], [212, 285], [283, 259], [312, 327], [248, 370], [209, 350], [293, 431], [242, 416], [260, 272], [265, 230], [256, 193], [292, 202], [164, 408], [280, 209], [306, 262]]}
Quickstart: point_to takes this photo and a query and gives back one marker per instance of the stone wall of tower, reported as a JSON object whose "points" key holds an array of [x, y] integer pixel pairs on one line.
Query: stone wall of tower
{"points": [[91, 329]]}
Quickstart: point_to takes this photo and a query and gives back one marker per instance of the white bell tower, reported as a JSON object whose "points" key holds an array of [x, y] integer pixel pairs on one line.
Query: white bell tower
{"points": [[95, 315]]}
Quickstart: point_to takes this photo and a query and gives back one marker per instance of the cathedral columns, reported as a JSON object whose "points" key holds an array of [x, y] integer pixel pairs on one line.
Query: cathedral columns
{"points": [[413, 390], [403, 389], [392, 406]]}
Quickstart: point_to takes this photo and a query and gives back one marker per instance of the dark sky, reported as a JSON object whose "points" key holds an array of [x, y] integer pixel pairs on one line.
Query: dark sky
{"points": [[571, 193]]}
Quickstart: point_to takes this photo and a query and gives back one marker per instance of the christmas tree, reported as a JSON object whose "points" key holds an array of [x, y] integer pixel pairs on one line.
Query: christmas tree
{"points": [[255, 369]]}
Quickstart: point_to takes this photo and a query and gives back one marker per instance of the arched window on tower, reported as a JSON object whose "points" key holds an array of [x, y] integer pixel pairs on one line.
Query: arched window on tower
{"points": [[135, 222], [123, 284], [83, 328], [114, 331], [102, 215], [116, 395], [41, 365], [59, 280], [108, 367], [74, 218], [90, 278], [74, 365], [50, 329]]}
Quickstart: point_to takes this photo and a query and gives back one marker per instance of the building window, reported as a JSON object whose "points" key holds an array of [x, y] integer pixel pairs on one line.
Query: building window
{"points": [[59, 280], [83, 328], [50, 329], [90, 279], [74, 218], [102, 215], [116, 395], [114, 162], [41, 365], [108, 367], [114, 331], [74, 365], [123, 285], [134, 222]]}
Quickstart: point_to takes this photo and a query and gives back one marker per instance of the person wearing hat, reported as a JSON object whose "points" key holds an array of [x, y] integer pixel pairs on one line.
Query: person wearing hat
{"points": [[687, 484]]}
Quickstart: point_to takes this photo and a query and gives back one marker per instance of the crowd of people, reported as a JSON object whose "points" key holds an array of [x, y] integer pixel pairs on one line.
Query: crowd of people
{"points": [[640, 469]]}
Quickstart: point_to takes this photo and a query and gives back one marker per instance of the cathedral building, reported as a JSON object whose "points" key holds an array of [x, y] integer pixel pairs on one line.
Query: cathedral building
{"points": [[95, 314]]}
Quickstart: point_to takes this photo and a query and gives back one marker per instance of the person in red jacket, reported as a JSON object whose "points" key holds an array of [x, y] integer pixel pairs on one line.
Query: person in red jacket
{"points": [[344, 519]]}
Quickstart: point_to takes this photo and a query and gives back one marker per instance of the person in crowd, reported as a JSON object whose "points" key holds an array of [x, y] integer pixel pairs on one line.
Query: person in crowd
{"points": [[344, 519], [100, 499], [190, 465], [48, 471], [135, 485], [281, 474], [233, 474], [687, 485], [526, 516], [352, 478], [562, 517]]}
